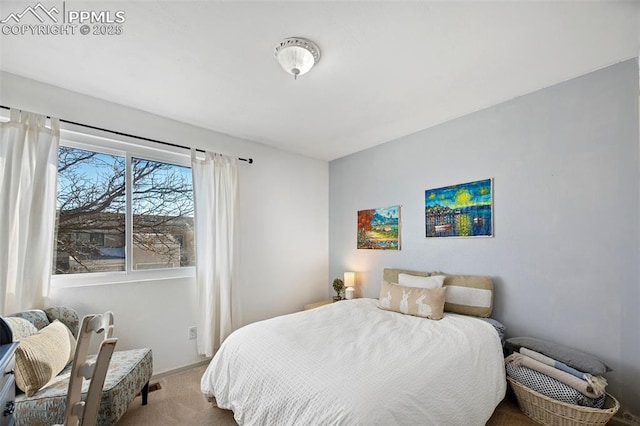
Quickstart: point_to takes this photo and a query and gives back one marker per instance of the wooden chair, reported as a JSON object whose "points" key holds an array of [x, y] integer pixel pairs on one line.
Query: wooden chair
{"points": [[85, 413]]}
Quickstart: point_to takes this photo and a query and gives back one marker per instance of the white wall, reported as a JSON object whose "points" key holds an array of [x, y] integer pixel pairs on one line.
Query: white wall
{"points": [[284, 229], [565, 255]]}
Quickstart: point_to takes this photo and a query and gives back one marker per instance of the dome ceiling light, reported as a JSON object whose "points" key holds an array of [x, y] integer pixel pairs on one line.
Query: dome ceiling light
{"points": [[297, 55]]}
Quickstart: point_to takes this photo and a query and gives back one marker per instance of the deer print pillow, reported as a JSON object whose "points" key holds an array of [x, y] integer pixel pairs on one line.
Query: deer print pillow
{"points": [[420, 302]]}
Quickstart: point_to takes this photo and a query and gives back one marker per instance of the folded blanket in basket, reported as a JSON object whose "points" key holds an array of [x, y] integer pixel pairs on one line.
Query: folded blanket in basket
{"points": [[571, 357], [580, 385], [551, 387], [597, 384]]}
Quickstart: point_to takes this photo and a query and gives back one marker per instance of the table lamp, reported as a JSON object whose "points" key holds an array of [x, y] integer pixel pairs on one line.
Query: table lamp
{"points": [[349, 282]]}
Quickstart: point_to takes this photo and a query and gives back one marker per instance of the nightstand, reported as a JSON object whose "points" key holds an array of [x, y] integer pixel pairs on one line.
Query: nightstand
{"points": [[7, 384], [317, 304]]}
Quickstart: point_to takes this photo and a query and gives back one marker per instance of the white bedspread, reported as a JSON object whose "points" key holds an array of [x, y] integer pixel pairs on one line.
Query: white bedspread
{"points": [[351, 363]]}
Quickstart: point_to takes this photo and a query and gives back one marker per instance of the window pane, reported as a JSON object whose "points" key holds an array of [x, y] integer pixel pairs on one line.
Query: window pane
{"points": [[90, 212], [162, 215]]}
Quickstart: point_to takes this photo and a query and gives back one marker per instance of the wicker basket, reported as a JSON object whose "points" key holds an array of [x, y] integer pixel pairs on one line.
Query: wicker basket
{"points": [[550, 412]]}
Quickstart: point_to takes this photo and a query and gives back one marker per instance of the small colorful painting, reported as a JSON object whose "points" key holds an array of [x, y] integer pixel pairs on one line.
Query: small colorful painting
{"points": [[464, 210], [379, 229]]}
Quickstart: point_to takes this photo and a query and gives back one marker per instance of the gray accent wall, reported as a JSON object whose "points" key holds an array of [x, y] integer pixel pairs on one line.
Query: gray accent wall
{"points": [[566, 249]]}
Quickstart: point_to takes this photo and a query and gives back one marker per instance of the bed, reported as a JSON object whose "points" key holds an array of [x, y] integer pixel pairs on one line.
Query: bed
{"points": [[353, 363]]}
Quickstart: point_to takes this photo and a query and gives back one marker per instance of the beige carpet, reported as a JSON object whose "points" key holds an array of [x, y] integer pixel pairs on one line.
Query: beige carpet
{"points": [[179, 402]]}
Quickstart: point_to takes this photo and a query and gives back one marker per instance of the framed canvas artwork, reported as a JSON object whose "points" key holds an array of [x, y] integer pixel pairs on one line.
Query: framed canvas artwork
{"points": [[464, 210], [379, 229]]}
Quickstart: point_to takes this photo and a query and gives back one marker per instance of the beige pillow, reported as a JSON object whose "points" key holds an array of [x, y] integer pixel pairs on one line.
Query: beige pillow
{"points": [[420, 302], [469, 295], [39, 358]]}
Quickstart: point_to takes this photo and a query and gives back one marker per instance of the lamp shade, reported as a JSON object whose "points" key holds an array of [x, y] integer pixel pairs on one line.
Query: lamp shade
{"points": [[297, 55], [349, 282], [349, 279]]}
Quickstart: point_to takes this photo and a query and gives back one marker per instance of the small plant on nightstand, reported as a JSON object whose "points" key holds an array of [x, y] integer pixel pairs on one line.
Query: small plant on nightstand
{"points": [[338, 286]]}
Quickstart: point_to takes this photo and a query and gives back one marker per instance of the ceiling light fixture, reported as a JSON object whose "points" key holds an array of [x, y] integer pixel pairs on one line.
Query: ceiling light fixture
{"points": [[297, 55]]}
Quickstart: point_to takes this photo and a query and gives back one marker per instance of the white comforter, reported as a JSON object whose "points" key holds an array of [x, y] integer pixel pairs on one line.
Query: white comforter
{"points": [[352, 363]]}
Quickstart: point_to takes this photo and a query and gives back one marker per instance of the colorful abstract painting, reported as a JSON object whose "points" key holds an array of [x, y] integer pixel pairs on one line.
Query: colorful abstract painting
{"points": [[464, 210], [379, 229]]}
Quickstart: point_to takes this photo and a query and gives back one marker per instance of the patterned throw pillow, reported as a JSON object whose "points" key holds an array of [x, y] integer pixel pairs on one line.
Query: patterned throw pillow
{"points": [[20, 327], [39, 358], [420, 302]]}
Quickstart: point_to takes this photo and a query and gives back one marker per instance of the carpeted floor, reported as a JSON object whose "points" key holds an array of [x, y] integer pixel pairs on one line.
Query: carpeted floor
{"points": [[179, 402]]}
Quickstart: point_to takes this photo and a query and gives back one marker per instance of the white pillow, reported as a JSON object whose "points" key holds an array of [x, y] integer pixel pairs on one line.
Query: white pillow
{"points": [[434, 281]]}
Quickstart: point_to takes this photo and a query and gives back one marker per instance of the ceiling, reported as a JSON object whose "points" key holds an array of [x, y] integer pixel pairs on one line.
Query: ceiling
{"points": [[387, 69]]}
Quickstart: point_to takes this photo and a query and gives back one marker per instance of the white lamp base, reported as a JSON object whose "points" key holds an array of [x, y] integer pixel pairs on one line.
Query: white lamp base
{"points": [[349, 293]]}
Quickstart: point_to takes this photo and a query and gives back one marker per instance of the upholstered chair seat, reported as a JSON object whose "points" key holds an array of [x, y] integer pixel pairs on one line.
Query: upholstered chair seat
{"points": [[128, 375]]}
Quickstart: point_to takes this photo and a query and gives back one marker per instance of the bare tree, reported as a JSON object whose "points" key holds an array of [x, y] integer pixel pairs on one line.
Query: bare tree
{"points": [[91, 207]]}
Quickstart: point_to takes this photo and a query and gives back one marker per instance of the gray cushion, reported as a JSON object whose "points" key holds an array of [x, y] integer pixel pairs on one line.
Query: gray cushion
{"points": [[572, 357]]}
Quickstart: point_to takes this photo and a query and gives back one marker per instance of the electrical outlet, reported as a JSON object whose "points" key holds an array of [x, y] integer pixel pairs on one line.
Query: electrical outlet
{"points": [[193, 332]]}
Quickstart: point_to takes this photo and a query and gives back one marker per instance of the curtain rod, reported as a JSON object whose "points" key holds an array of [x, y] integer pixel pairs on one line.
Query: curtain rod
{"points": [[115, 132]]}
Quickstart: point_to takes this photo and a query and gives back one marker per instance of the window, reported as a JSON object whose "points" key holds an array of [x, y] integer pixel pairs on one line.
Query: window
{"points": [[162, 215], [122, 210], [90, 202]]}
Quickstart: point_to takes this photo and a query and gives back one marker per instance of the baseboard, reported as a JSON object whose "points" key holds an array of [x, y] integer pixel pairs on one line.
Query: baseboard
{"points": [[619, 421], [163, 374]]}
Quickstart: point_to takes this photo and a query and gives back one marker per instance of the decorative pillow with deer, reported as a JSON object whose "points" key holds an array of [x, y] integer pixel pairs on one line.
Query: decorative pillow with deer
{"points": [[420, 302]]}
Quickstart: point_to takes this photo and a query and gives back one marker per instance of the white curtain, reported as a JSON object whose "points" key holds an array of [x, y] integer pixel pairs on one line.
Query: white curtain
{"points": [[28, 174], [215, 190]]}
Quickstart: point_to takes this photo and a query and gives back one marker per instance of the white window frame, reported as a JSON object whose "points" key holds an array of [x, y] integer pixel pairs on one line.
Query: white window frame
{"points": [[128, 148]]}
